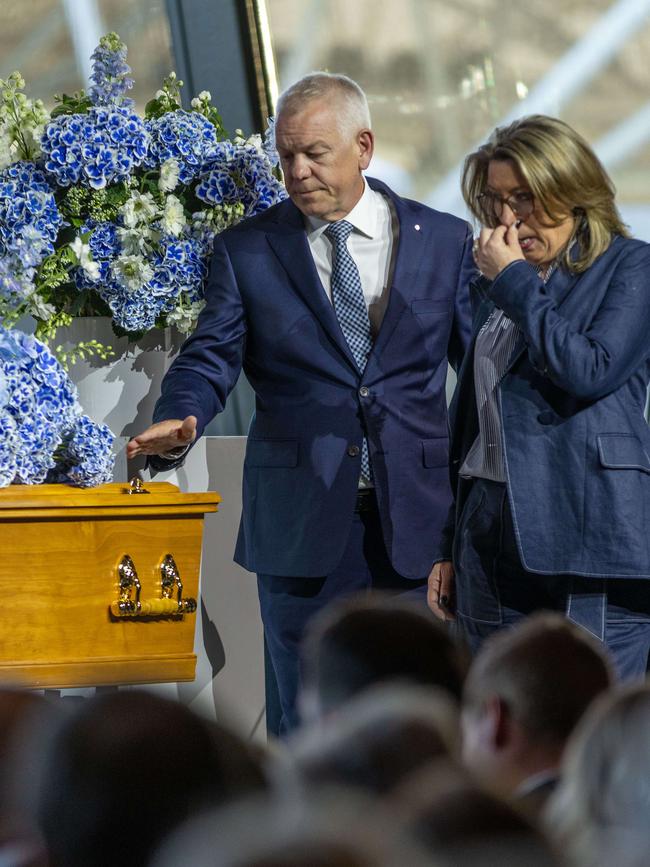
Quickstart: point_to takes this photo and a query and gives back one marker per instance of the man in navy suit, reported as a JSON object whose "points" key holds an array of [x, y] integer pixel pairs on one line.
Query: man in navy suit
{"points": [[343, 304]]}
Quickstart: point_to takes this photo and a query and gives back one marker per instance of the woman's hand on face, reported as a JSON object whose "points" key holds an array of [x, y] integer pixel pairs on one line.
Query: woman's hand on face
{"points": [[494, 249]]}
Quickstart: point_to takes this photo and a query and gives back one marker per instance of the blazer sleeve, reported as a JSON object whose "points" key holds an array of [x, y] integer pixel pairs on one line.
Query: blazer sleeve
{"points": [[208, 366], [462, 325], [595, 361]]}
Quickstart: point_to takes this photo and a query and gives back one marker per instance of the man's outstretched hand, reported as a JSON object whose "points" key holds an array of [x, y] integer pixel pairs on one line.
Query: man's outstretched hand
{"points": [[163, 437]]}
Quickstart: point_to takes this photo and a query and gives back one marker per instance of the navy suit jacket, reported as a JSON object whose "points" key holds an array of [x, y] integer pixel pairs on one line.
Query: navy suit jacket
{"points": [[268, 312], [576, 443]]}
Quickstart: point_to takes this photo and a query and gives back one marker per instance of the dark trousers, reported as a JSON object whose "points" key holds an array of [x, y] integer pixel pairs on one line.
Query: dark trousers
{"points": [[288, 604], [494, 590]]}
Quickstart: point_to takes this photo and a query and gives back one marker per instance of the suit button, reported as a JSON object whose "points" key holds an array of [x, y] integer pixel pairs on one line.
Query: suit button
{"points": [[364, 391], [546, 417], [353, 451]]}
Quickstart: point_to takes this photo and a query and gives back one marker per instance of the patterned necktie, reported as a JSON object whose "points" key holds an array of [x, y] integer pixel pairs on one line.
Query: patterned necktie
{"points": [[350, 308]]}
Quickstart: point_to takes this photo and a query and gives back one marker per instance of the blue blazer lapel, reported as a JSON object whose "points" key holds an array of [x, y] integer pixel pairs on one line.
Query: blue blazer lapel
{"points": [[288, 241], [558, 287], [410, 246]]}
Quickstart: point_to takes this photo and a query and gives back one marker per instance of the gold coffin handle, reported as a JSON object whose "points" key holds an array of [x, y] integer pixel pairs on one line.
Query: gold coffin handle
{"points": [[129, 603]]}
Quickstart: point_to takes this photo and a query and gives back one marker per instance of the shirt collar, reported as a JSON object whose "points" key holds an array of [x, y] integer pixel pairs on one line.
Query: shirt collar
{"points": [[363, 216]]}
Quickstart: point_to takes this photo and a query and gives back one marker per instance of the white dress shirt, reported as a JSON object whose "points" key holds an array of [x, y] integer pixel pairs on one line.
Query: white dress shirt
{"points": [[370, 245]]}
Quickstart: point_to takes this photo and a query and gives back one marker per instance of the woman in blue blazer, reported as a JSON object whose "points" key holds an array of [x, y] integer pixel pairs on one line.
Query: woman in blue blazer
{"points": [[550, 451]]}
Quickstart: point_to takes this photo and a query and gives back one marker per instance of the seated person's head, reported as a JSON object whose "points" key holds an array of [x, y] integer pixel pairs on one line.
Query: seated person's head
{"points": [[463, 824], [524, 694], [377, 740], [126, 768], [335, 828], [599, 812], [25, 720], [370, 640]]}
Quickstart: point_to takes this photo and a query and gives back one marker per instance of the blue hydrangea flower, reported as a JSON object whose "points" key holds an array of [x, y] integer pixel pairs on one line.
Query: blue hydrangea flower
{"points": [[9, 445], [39, 413], [186, 136], [86, 458], [240, 173], [269, 146], [95, 149], [15, 284], [179, 265], [29, 218], [104, 242]]}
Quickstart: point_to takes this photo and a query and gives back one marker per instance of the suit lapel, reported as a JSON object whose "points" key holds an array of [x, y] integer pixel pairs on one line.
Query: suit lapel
{"points": [[288, 241], [410, 243], [558, 288]]}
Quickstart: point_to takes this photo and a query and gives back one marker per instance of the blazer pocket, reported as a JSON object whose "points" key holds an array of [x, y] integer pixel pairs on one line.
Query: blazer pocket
{"points": [[622, 452], [435, 453], [430, 305], [272, 453]]}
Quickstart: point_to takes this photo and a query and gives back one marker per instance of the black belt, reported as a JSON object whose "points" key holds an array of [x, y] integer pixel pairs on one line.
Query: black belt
{"points": [[366, 500]]}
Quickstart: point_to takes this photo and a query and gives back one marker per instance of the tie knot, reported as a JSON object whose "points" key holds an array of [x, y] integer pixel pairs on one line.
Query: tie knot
{"points": [[339, 231]]}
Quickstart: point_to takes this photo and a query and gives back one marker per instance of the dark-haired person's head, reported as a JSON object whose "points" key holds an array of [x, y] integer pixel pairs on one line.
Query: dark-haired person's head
{"points": [[375, 639], [525, 692], [335, 828], [128, 767], [25, 720], [377, 740], [463, 824]]}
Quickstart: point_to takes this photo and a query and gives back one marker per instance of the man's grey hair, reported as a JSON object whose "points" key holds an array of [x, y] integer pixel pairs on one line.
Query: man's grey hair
{"points": [[353, 114]]}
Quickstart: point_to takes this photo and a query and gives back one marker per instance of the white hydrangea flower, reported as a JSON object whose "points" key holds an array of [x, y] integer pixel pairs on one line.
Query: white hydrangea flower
{"points": [[169, 172], [139, 208], [8, 149], [173, 221], [184, 317], [138, 241], [255, 141], [202, 100], [85, 259], [131, 272]]}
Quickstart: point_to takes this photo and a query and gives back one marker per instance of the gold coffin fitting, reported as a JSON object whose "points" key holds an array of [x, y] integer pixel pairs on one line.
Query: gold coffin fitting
{"points": [[129, 603]]}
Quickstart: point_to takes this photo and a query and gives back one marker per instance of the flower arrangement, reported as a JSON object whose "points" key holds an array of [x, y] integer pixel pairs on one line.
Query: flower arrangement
{"points": [[103, 212], [44, 435]]}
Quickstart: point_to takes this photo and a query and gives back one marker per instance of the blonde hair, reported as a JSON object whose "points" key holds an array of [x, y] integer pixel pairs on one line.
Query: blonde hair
{"points": [[563, 174]]}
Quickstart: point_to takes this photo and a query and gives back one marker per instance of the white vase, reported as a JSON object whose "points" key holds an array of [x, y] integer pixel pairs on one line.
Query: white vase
{"points": [[122, 391]]}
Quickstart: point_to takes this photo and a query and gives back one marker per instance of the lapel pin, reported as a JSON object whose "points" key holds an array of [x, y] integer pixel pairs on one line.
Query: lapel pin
{"points": [[417, 227]]}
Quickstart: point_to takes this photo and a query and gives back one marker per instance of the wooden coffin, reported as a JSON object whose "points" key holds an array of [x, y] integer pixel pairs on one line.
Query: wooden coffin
{"points": [[72, 614]]}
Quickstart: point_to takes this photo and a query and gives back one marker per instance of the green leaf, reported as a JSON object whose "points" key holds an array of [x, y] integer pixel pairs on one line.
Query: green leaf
{"points": [[78, 103]]}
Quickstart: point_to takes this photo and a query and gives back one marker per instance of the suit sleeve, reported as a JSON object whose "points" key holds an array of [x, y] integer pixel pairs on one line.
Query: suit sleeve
{"points": [[595, 361], [201, 378], [462, 325], [459, 343]]}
